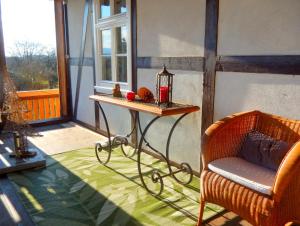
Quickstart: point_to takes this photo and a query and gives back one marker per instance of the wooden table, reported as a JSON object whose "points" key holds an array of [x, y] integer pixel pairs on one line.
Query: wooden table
{"points": [[158, 112], [151, 108]]}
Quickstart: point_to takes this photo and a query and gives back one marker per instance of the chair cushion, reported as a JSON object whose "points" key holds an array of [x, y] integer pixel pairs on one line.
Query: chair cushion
{"points": [[263, 150], [245, 173]]}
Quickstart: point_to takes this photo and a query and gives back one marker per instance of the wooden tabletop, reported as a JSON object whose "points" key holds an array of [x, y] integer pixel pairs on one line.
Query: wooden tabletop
{"points": [[151, 108]]}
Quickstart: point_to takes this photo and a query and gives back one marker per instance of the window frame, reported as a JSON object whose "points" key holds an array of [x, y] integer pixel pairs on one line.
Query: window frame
{"points": [[111, 22]]}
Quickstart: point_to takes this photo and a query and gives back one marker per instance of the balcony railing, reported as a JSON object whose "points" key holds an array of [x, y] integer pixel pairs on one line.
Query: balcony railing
{"points": [[41, 104]]}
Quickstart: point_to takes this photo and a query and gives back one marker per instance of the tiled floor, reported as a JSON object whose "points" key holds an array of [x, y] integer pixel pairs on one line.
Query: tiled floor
{"points": [[69, 136], [64, 137]]}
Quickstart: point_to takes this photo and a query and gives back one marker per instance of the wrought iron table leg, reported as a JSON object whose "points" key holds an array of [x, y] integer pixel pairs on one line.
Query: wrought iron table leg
{"points": [[155, 176], [184, 167], [98, 147], [148, 144], [117, 140], [124, 143], [145, 140]]}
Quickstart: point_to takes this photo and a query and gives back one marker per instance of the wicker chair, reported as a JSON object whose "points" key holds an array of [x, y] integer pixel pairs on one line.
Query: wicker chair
{"points": [[223, 140]]}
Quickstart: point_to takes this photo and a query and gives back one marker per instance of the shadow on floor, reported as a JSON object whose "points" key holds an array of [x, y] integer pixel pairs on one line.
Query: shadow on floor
{"points": [[52, 196]]}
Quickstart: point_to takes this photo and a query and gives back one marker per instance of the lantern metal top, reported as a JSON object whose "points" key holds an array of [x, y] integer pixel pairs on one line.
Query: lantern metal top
{"points": [[165, 72]]}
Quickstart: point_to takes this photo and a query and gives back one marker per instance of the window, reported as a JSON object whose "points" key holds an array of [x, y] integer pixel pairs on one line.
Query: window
{"points": [[112, 41]]}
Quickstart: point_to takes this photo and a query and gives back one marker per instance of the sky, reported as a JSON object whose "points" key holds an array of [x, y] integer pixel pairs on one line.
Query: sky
{"points": [[28, 20]]}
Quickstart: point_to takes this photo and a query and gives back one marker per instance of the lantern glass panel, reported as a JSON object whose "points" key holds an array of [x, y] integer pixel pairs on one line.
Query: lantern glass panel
{"points": [[164, 82]]}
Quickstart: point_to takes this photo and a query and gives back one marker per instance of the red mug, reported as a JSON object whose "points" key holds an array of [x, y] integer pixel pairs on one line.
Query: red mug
{"points": [[130, 96]]}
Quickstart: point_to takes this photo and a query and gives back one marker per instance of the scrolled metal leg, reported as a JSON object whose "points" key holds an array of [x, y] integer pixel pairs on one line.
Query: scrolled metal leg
{"points": [[155, 176], [184, 167], [124, 140], [145, 140], [134, 117], [123, 143], [99, 148]]}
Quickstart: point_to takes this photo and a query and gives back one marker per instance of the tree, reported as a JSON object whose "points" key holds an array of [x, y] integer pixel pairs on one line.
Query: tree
{"points": [[32, 66]]}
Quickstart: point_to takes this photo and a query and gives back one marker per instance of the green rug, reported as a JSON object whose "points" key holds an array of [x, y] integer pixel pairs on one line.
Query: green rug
{"points": [[75, 190]]}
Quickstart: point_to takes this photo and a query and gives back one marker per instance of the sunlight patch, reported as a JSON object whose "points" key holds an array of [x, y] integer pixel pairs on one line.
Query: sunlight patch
{"points": [[10, 208], [32, 199]]}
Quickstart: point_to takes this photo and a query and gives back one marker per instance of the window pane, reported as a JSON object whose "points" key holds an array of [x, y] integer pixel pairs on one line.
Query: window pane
{"points": [[122, 39], [122, 69], [104, 8], [106, 68], [106, 42], [120, 6]]}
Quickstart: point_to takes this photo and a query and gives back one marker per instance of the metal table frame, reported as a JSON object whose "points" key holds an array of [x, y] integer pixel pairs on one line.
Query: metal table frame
{"points": [[156, 176]]}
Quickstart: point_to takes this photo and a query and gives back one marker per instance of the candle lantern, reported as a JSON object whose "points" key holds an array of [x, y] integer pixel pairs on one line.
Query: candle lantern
{"points": [[164, 87], [20, 143]]}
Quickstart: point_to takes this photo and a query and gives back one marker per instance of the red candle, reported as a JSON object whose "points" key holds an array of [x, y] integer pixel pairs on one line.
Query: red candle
{"points": [[130, 96], [164, 94]]}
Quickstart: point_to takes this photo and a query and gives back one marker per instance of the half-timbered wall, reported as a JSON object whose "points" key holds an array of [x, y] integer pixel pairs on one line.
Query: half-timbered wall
{"points": [[260, 28], [165, 31], [249, 51], [86, 107]]}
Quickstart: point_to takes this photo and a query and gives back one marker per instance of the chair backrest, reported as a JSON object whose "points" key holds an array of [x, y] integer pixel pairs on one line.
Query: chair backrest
{"points": [[278, 127]]}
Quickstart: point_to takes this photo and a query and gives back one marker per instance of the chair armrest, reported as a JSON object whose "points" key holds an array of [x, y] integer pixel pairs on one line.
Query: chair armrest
{"points": [[223, 138], [292, 223], [288, 175]]}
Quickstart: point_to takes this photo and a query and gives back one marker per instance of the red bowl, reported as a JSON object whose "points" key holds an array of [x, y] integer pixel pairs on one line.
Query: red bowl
{"points": [[130, 96]]}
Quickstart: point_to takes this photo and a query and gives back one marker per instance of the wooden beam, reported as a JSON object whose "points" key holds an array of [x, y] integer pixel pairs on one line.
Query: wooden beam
{"points": [[175, 63], [87, 61], [86, 11], [210, 53], [2, 59], [96, 108], [285, 64], [133, 21], [67, 57], [64, 82]]}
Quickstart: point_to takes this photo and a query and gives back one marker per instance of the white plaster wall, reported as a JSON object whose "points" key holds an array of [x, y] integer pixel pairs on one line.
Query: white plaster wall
{"points": [[259, 27], [255, 27], [75, 17], [171, 27], [119, 119], [174, 28], [276, 94], [185, 144], [85, 106]]}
